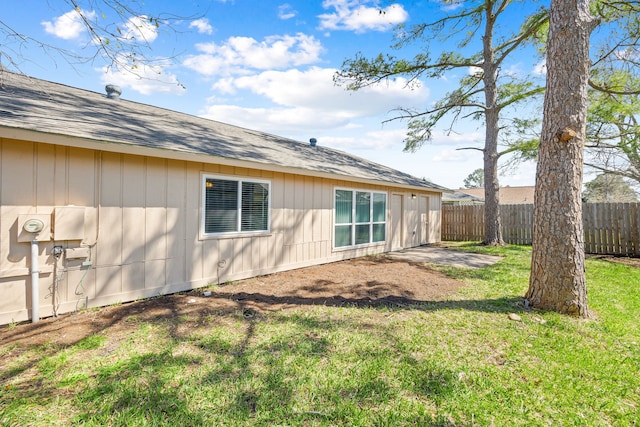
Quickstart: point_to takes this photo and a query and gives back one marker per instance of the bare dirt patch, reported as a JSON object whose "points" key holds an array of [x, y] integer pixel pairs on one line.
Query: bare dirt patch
{"points": [[363, 282]]}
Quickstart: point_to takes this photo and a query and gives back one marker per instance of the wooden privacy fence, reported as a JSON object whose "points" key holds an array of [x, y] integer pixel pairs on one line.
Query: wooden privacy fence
{"points": [[609, 228]]}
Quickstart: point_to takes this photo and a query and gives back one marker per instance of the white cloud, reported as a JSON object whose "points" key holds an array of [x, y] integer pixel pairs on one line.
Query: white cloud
{"points": [[240, 53], [145, 79], [280, 121], [464, 139], [68, 26], [515, 71], [308, 101], [285, 11], [475, 71], [451, 5], [303, 123], [358, 16], [540, 68], [628, 54], [202, 25], [383, 139], [314, 89], [141, 29], [450, 155], [524, 175]]}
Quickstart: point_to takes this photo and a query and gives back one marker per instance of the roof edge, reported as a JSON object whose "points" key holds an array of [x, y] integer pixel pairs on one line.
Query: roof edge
{"points": [[142, 150]]}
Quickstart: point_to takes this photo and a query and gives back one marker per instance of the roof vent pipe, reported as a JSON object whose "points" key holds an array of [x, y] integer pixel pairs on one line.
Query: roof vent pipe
{"points": [[113, 91], [313, 142]]}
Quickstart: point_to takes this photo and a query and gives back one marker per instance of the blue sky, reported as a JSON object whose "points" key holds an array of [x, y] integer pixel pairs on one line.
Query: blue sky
{"points": [[268, 65]]}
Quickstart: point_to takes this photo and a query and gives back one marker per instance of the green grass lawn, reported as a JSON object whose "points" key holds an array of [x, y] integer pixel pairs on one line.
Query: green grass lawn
{"points": [[460, 362]]}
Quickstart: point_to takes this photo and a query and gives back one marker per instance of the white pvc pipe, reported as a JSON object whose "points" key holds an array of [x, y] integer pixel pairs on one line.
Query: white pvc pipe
{"points": [[35, 283]]}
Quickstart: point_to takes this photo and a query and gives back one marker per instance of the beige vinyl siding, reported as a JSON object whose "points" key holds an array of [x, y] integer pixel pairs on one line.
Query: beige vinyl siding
{"points": [[435, 218], [142, 222], [176, 217]]}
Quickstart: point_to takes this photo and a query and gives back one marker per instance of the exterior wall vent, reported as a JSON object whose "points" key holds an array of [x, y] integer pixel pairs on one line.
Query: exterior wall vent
{"points": [[113, 91]]}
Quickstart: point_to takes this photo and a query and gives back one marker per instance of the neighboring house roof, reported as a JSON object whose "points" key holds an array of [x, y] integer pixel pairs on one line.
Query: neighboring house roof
{"points": [[460, 198], [28, 104], [508, 195]]}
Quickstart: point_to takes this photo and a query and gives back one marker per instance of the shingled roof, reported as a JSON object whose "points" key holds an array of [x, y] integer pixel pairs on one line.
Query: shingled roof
{"points": [[50, 108]]}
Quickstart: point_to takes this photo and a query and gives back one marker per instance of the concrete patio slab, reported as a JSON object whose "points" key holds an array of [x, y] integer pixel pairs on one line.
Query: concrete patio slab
{"points": [[438, 255]]}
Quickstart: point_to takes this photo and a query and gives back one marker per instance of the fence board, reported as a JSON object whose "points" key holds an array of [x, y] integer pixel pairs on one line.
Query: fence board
{"points": [[609, 228], [589, 234], [634, 226], [628, 245]]}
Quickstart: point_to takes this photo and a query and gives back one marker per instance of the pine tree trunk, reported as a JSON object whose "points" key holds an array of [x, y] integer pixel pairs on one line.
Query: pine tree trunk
{"points": [[557, 280], [492, 220]]}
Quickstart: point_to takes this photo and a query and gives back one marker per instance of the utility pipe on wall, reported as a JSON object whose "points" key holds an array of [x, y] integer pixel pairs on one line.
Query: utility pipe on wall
{"points": [[35, 283]]}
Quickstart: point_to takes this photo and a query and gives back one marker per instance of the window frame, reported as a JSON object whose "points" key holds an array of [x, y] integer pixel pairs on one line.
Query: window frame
{"points": [[240, 180], [354, 221]]}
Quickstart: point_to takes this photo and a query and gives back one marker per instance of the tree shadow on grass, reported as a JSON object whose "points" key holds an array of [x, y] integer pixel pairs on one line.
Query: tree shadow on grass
{"points": [[263, 384], [139, 390], [252, 380], [269, 302], [256, 375]]}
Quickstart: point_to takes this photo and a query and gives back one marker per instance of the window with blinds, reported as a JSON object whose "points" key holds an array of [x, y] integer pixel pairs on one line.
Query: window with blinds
{"points": [[235, 205], [360, 217]]}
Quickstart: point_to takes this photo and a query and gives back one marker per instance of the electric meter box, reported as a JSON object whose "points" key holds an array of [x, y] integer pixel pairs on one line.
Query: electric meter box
{"points": [[68, 223], [34, 227]]}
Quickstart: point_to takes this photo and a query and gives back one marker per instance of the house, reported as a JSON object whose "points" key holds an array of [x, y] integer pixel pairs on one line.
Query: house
{"points": [[458, 198], [508, 195], [104, 200]]}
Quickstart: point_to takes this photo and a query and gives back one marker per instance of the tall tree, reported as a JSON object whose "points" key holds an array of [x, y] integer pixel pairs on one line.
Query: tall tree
{"points": [[557, 280], [608, 188], [613, 131], [475, 179], [485, 94]]}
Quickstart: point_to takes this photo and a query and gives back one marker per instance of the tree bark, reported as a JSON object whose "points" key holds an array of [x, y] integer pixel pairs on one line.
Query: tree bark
{"points": [[492, 220], [557, 280]]}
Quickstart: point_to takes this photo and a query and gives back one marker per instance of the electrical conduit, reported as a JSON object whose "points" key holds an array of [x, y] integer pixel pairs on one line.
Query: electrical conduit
{"points": [[35, 283]]}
